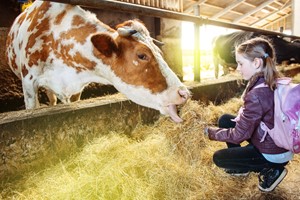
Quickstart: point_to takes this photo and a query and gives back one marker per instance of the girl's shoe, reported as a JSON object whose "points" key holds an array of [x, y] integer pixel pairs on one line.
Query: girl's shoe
{"points": [[235, 172], [270, 178]]}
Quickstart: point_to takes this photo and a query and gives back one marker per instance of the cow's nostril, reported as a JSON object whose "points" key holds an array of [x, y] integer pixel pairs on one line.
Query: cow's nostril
{"points": [[184, 96], [183, 93]]}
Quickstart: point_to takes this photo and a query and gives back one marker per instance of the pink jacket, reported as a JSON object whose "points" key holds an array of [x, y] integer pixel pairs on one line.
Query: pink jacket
{"points": [[258, 106]]}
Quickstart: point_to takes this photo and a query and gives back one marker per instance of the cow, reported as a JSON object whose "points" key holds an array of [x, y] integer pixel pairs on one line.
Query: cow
{"points": [[224, 46], [63, 48]]}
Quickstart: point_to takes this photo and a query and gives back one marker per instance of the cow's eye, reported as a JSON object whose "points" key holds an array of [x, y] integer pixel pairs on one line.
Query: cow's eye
{"points": [[142, 56]]}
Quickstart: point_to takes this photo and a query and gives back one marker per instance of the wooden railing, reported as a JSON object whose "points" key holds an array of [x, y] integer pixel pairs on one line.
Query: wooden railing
{"points": [[174, 5]]}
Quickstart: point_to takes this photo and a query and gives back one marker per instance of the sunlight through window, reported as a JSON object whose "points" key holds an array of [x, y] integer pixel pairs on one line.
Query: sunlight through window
{"points": [[207, 34]]}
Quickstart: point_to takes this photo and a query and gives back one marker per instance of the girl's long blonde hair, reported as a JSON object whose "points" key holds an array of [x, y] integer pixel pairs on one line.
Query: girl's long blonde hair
{"points": [[261, 48]]}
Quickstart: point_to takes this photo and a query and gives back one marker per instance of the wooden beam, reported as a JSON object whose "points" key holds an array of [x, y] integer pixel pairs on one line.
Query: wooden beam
{"points": [[227, 9], [249, 4], [191, 8], [295, 17], [220, 8], [156, 12], [275, 21], [216, 7], [269, 15], [258, 8]]}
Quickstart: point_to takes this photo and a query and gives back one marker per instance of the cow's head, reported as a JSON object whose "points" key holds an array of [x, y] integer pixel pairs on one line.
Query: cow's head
{"points": [[138, 70]]}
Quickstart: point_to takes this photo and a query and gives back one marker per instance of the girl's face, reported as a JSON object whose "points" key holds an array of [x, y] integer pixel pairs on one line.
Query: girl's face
{"points": [[246, 67]]}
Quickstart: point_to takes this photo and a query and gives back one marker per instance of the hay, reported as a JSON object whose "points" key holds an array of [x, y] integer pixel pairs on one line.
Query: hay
{"points": [[296, 79], [161, 161]]}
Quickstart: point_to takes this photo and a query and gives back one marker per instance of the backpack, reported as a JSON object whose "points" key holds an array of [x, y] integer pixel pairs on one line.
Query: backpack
{"points": [[286, 131]]}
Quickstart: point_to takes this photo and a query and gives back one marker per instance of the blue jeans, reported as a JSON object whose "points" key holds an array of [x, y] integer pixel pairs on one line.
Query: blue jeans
{"points": [[242, 158]]}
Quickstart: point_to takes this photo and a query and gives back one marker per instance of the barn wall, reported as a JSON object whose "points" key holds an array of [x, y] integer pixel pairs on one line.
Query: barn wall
{"points": [[171, 36], [3, 34], [11, 96], [9, 10]]}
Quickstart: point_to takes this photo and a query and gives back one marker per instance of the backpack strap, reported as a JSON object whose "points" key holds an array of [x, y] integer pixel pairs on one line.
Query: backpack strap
{"points": [[284, 80], [281, 81], [264, 127], [297, 127], [260, 85]]}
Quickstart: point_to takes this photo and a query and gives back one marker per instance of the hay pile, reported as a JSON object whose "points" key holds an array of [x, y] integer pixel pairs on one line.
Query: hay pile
{"points": [[161, 161]]}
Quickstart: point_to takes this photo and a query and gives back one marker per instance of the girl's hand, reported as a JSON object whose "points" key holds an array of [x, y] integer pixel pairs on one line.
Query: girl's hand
{"points": [[206, 131]]}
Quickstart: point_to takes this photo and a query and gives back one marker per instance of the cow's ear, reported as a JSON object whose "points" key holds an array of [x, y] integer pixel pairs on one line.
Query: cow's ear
{"points": [[104, 43]]}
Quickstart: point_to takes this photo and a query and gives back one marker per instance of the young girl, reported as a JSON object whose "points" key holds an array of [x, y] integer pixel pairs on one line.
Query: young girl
{"points": [[256, 63]]}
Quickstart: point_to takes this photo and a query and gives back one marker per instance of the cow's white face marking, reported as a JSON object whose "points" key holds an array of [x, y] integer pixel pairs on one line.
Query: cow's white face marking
{"points": [[135, 62], [64, 48]]}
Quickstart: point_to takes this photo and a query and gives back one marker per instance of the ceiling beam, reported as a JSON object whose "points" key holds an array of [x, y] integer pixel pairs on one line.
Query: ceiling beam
{"points": [[220, 8], [271, 7], [273, 13], [274, 21], [227, 9], [249, 4], [258, 8], [191, 7], [279, 3]]}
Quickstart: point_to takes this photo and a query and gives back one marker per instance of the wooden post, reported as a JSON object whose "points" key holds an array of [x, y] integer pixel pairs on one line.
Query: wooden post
{"points": [[197, 46], [295, 17]]}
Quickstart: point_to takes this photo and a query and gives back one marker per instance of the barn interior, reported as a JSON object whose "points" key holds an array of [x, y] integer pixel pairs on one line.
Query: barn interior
{"points": [[34, 142]]}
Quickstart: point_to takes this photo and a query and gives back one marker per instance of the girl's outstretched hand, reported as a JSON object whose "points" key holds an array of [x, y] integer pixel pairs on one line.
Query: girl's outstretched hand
{"points": [[206, 131]]}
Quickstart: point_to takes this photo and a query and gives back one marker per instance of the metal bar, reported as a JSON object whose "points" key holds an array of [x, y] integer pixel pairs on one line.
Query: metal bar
{"points": [[197, 56], [155, 12]]}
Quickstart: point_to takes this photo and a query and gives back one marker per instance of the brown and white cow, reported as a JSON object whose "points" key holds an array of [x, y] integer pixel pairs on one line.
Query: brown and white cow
{"points": [[63, 48]]}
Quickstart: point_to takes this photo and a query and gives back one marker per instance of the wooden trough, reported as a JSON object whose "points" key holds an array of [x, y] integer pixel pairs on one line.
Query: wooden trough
{"points": [[30, 136]]}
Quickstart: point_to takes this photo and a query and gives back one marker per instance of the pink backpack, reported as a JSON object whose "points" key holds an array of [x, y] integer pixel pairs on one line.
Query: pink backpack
{"points": [[286, 131]]}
